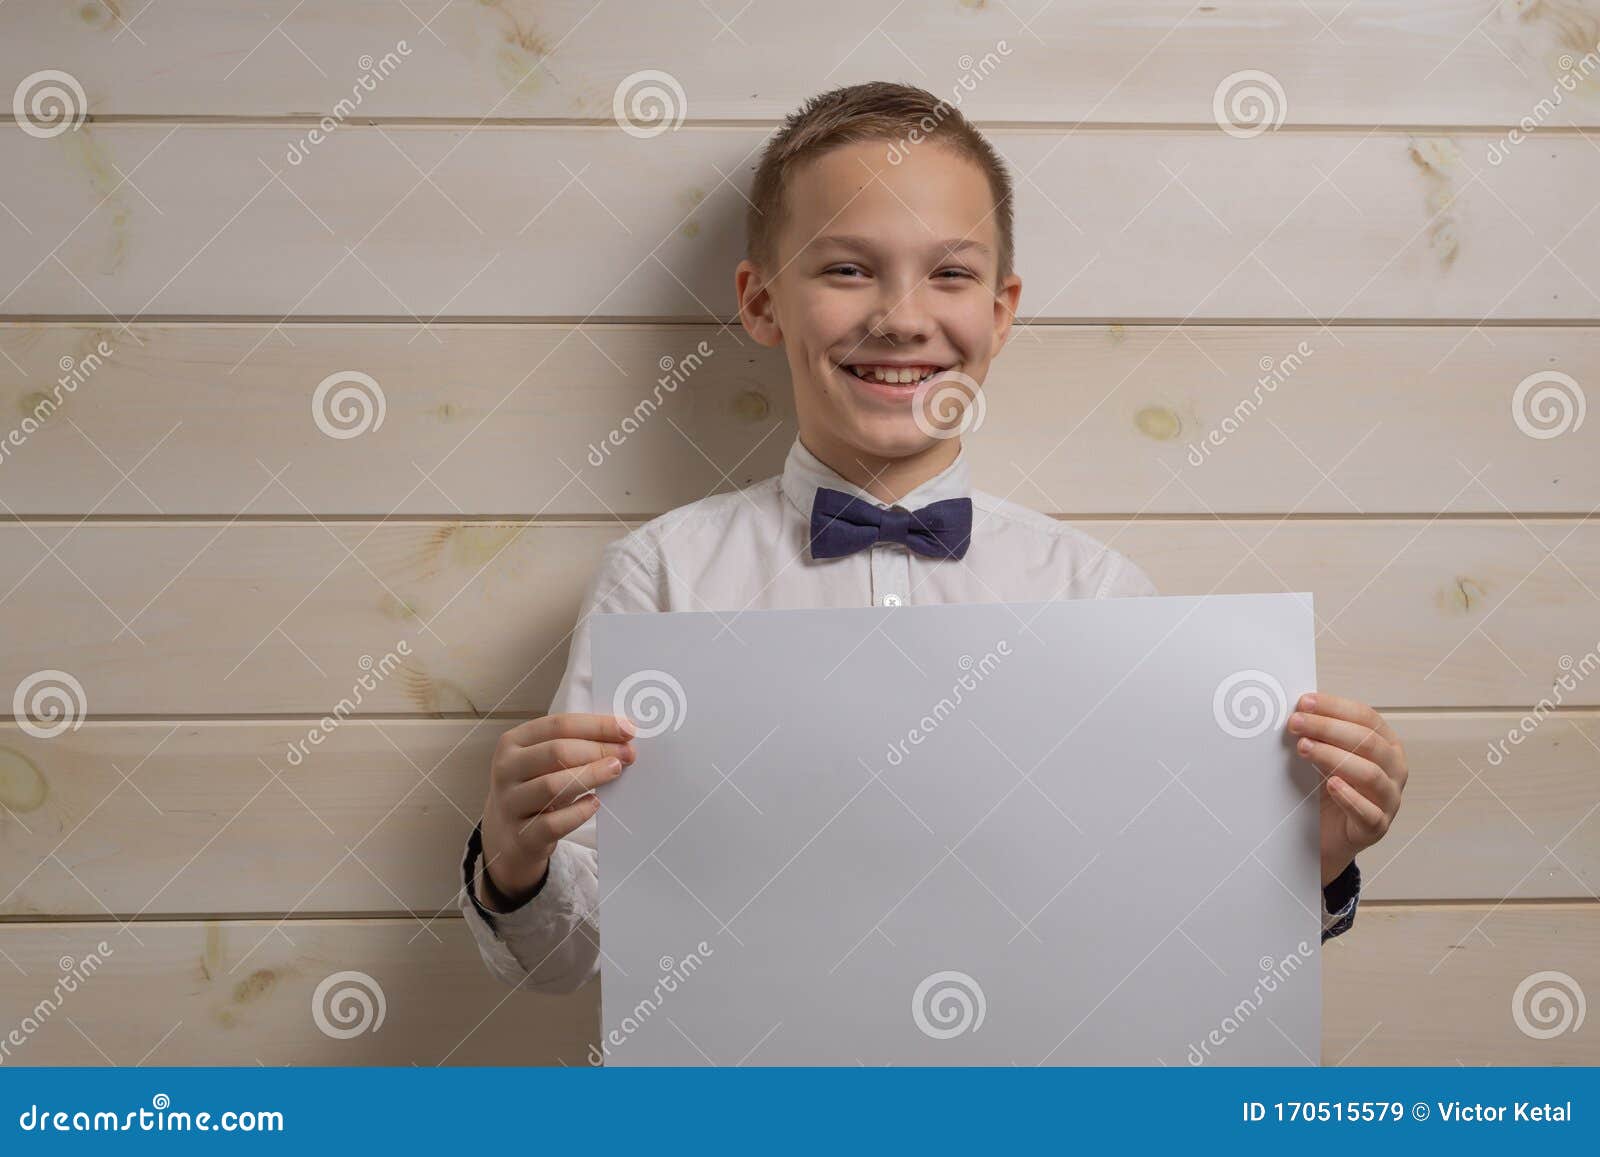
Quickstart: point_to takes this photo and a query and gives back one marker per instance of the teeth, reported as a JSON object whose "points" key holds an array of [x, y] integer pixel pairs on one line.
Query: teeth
{"points": [[891, 375]]}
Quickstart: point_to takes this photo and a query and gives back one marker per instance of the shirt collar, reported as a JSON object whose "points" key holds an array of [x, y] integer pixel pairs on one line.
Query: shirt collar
{"points": [[804, 472]]}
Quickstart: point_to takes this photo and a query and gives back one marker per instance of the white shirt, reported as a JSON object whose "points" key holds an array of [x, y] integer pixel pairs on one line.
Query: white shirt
{"points": [[749, 550]]}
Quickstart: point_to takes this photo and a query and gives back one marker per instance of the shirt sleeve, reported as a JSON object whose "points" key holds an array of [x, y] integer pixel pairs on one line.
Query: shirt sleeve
{"points": [[1339, 900], [551, 943], [1125, 580]]}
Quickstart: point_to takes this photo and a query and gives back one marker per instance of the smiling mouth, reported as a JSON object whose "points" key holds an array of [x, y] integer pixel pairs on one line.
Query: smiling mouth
{"points": [[893, 375]]}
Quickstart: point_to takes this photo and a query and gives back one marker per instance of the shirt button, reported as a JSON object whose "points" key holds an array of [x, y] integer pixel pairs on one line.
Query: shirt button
{"points": [[891, 600]]}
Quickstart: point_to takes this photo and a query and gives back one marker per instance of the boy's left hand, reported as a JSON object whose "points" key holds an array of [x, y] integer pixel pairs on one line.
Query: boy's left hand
{"points": [[1364, 771]]}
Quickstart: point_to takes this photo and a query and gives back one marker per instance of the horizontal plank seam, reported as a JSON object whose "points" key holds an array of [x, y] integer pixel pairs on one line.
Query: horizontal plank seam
{"points": [[768, 124], [445, 321], [631, 521], [15, 920], [1575, 903], [163, 719], [1485, 901]]}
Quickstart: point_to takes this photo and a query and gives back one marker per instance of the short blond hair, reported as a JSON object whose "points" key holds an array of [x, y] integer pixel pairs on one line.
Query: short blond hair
{"points": [[900, 114]]}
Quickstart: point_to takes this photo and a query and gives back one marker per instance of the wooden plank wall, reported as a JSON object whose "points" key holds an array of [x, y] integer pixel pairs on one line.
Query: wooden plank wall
{"points": [[185, 539]]}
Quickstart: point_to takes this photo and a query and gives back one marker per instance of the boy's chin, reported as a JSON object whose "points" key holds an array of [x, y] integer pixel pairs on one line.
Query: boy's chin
{"points": [[892, 436]]}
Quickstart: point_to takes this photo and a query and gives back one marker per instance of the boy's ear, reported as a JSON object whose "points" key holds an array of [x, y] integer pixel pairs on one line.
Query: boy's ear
{"points": [[755, 304], [1005, 308]]}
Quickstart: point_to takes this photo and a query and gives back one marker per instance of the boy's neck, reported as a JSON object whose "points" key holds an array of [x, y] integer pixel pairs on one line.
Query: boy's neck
{"points": [[886, 479]]}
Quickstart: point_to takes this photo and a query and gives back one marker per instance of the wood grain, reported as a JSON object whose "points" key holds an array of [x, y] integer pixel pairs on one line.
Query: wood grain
{"points": [[240, 992], [634, 420], [1370, 62], [172, 618], [123, 820], [517, 222]]}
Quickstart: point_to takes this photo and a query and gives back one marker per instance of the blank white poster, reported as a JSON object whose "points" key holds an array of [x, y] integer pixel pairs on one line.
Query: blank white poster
{"points": [[1071, 832]]}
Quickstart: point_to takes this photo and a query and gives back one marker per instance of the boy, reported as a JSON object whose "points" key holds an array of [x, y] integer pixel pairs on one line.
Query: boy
{"points": [[880, 253]]}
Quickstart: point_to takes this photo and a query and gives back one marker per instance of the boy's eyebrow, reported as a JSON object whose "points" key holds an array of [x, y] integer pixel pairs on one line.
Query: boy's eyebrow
{"points": [[855, 241]]}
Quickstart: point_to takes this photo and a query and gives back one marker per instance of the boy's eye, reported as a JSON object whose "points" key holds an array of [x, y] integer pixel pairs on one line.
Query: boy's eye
{"points": [[945, 274]]}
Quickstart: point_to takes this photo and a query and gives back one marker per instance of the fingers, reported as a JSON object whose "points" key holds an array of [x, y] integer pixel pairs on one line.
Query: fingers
{"points": [[517, 765], [1354, 737], [561, 788], [1352, 710], [571, 725], [553, 825], [1359, 775], [1369, 817], [558, 755]]}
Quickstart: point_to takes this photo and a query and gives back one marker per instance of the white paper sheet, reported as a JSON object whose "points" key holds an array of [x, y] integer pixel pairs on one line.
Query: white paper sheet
{"points": [[1064, 833]]}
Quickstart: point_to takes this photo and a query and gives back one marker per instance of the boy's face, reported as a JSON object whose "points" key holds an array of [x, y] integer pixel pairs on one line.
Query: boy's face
{"points": [[881, 264]]}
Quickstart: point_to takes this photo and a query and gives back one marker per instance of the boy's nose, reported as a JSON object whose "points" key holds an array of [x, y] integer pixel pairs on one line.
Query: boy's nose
{"points": [[901, 321]]}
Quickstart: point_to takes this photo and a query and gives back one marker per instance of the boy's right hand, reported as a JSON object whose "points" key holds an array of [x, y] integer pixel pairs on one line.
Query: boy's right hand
{"points": [[541, 783]]}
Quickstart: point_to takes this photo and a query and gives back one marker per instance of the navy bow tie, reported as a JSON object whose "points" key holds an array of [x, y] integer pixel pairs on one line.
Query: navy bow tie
{"points": [[843, 524]]}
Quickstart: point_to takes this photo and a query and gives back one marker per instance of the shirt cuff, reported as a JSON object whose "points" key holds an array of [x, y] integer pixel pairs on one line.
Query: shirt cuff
{"points": [[1339, 900], [469, 866]]}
